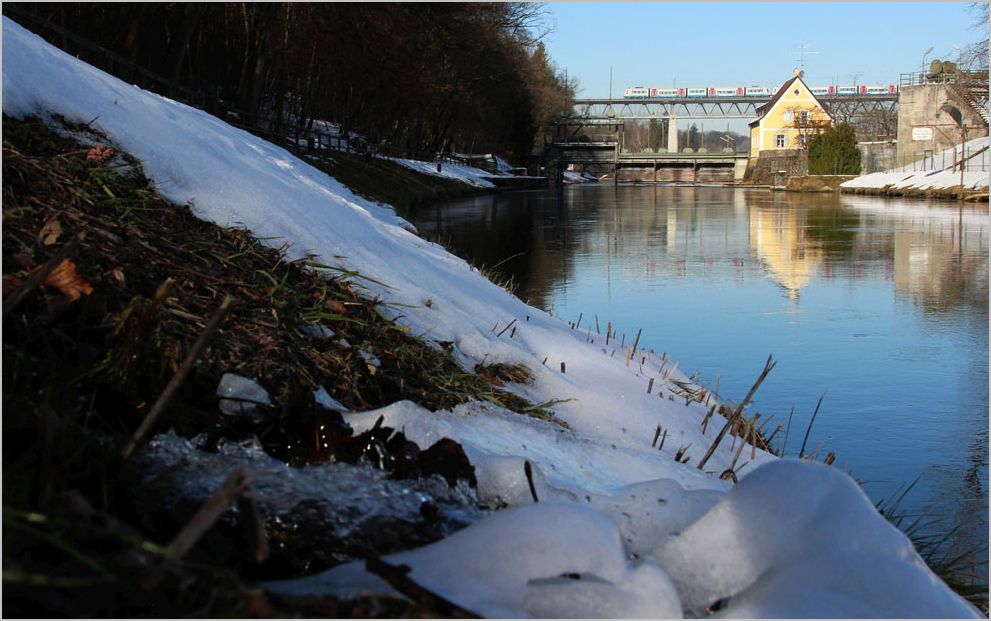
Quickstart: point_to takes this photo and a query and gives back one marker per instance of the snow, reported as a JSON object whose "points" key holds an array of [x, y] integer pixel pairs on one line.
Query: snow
{"points": [[744, 546], [795, 539], [240, 395], [456, 172], [316, 331], [524, 573], [322, 397], [914, 176], [623, 515], [571, 176]]}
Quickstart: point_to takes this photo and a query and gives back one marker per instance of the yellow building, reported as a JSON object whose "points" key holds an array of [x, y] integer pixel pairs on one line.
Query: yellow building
{"points": [[786, 122]]}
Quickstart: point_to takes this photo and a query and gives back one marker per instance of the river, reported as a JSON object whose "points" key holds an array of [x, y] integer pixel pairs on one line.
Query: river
{"points": [[880, 303]]}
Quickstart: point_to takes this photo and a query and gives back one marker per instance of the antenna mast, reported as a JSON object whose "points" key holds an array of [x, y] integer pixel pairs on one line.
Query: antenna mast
{"points": [[801, 57]]}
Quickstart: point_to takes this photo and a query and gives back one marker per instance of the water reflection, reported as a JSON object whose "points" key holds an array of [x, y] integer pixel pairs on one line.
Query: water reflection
{"points": [[789, 255], [883, 302]]}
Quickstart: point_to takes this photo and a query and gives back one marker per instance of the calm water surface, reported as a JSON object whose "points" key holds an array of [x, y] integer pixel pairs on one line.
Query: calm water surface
{"points": [[882, 303]]}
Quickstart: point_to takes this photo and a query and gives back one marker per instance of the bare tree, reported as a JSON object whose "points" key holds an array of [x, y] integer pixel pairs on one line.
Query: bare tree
{"points": [[975, 56]]}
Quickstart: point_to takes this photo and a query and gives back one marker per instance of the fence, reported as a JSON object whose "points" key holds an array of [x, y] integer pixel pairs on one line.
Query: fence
{"points": [[293, 135], [975, 160]]}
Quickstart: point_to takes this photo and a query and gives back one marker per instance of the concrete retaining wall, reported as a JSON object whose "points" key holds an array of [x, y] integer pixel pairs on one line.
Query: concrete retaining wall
{"points": [[919, 107], [774, 167]]}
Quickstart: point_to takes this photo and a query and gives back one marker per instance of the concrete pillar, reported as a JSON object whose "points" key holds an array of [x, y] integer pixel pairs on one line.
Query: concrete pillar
{"points": [[672, 134]]}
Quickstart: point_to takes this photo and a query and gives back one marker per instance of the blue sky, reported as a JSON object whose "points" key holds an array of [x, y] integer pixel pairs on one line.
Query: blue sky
{"points": [[740, 43]]}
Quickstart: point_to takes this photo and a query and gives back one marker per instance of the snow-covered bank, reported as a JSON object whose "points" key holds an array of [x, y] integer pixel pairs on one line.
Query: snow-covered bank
{"points": [[975, 174], [571, 176], [626, 518], [455, 172]]}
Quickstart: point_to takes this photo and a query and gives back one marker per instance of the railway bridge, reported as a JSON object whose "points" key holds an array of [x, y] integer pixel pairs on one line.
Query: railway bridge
{"points": [[849, 108], [593, 133]]}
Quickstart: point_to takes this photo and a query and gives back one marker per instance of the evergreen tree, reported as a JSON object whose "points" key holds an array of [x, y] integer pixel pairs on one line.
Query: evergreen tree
{"points": [[656, 133], [834, 152]]}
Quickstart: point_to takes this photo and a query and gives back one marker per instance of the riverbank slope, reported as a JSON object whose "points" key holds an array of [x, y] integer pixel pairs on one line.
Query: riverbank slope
{"points": [[920, 179], [645, 530]]}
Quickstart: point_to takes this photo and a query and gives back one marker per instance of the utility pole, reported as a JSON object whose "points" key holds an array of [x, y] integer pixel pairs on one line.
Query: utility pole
{"points": [[922, 76], [610, 83]]}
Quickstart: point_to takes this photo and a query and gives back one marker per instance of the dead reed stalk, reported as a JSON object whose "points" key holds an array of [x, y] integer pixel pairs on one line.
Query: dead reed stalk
{"points": [[768, 366]]}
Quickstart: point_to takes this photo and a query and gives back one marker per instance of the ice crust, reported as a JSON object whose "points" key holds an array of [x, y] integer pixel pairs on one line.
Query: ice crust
{"points": [[341, 497]]}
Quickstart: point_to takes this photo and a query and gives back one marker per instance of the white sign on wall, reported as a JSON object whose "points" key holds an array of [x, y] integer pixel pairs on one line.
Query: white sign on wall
{"points": [[922, 133]]}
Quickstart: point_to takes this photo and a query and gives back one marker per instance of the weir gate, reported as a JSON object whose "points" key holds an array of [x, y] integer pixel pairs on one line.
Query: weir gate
{"points": [[688, 167]]}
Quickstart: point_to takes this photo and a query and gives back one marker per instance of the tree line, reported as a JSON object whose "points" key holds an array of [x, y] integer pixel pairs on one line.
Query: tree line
{"points": [[424, 77]]}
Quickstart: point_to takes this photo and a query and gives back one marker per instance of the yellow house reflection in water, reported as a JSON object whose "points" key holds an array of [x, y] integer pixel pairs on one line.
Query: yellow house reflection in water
{"points": [[778, 237]]}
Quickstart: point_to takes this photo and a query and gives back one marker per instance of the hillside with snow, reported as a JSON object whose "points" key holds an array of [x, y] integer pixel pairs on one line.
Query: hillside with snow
{"points": [[621, 528]]}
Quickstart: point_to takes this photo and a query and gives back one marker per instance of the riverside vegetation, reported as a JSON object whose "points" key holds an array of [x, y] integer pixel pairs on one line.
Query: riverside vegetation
{"points": [[91, 346], [101, 341]]}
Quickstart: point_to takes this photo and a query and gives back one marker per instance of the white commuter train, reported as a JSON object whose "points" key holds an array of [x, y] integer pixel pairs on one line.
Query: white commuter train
{"points": [[643, 92]]}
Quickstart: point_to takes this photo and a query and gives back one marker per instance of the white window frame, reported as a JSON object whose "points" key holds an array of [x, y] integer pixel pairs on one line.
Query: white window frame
{"points": [[804, 116], [781, 141]]}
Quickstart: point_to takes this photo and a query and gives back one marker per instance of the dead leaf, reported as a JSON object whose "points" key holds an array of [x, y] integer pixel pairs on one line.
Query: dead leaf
{"points": [[67, 281], [99, 155], [50, 232], [118, 275], [336, 306]]}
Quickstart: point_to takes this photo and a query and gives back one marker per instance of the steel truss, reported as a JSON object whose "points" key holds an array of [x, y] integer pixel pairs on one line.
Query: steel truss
{"points": [[841, 108]]}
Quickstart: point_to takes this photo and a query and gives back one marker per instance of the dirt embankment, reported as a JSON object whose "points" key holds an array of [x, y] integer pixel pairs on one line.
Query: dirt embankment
{"points": [[816, 183], [951, 193], [109, 293]]}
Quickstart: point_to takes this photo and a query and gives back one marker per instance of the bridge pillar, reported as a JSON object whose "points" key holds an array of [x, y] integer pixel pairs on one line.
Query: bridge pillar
{"points": [[672, 134], [615, 166]]}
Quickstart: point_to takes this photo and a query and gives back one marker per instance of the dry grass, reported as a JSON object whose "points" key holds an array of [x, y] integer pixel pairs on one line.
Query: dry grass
{"points": [[79, 375]]}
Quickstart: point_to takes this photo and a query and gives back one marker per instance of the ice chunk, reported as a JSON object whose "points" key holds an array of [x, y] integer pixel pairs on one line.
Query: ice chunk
{"points": [[341, 507], [508, 565], [784, 515], [321, 396], [240, 395], [316, 331]]}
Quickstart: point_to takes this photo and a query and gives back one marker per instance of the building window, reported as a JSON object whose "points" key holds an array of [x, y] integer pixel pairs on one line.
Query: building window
{"points": [[804, 117], [780, 141]]}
